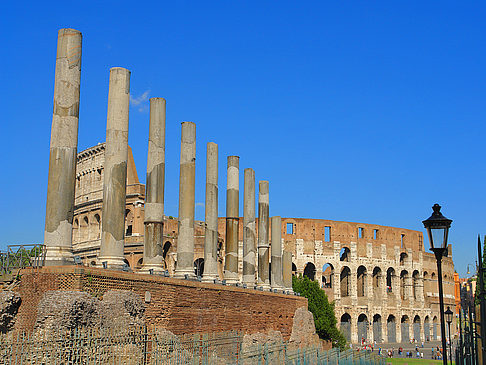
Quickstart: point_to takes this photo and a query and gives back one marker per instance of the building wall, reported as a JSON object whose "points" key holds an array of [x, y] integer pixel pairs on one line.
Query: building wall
{"points": [[364, 293], [181, 306]]}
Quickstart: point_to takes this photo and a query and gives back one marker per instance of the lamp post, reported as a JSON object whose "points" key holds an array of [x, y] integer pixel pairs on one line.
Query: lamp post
{"points": [[448, 317], [437, 227]]}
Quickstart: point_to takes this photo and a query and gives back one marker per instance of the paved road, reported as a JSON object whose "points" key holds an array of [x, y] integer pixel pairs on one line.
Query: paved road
{"points": [[427, 349]]}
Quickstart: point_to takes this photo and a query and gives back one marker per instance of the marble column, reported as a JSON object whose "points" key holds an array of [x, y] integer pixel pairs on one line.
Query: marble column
{"points": [[263, 225], [232, 220], [287, 271], [249, 229], [211, 230], [115, 170], [154, 192], [185, 241], [63, 150], [277, 278]]}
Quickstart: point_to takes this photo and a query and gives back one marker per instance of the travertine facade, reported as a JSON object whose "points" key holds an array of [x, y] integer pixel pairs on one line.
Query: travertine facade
{"points": [[382, 279]]}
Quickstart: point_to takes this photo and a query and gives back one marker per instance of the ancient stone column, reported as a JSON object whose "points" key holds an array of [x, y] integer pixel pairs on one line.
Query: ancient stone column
{"points": [[63, 150], [211, 231], [263, 224], [154, 200], [187, 184], [249, 229], [287, 271], [115, 170], [232, 220], [277, 277]]}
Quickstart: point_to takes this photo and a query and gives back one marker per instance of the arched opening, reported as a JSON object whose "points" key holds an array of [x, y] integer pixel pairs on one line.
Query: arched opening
{"points": [[75, 230], [391, 329], [403, 258], [85, 226], [327, 275], [390, 274], [376, 281], [166, 248], [97, 226], [434, 328], [345, 281], [362, 328], [126, 262], [427, 328], [128, 222], [415, 284], [199, 267], [416, 328], [310, 270], [377, 336], [294, 269], [139, 264], [346, 326], [361, 282], [405, 329], [426, 282], [403, 284], [344, 254], [92, 263]]}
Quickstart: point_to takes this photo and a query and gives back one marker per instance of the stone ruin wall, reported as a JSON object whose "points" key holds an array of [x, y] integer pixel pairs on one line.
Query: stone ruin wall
{"points": [[316, 244], [179, 306]]}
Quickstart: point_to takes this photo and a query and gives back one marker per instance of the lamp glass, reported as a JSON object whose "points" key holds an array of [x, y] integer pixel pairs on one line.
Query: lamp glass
{"points": [[448, 315]]}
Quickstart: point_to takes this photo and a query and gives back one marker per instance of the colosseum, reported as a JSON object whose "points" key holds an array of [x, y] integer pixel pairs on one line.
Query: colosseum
{"points": [[382, 280]]}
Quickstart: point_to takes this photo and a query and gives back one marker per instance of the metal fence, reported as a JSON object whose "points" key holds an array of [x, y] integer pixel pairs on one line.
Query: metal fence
{"points": [[21, 256], [143, 346]]}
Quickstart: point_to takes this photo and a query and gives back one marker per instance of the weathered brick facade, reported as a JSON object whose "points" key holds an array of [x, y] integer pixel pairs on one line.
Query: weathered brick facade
{"points": [[178, 305]]}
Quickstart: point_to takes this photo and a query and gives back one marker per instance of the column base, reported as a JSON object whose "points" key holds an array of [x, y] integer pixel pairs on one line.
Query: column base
{"points": [[181, 274], [231, 277], [209, 278], [249, 280], [157, 269], [58, 256], [112, 262]]}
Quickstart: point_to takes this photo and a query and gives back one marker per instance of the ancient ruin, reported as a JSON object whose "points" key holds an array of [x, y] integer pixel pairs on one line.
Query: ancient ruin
{"points": [[102, 218]]}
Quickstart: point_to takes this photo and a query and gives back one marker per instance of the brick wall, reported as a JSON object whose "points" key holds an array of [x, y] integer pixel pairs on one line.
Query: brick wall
{"points": [[178, 305]]}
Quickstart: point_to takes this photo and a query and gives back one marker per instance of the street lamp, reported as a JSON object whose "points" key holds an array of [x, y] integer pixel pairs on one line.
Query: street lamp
{"points": [[437, 227], [448, 317]]}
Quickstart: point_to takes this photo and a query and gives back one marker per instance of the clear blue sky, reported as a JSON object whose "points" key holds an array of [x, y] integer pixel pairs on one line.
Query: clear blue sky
{"points": [[356, 111]]}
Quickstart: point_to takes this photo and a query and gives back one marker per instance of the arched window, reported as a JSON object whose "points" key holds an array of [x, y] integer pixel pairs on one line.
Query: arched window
{"points": [[361, 281], [128, 222], [344, 254], [415, 283], [199, 267], [376, 280], [345, 281], [310, 270], [76, 230], [327, 275], [416, 328], [97, 228], [139, 264], [85, 228], [390, 274], [377, 328], [403, 284], [391, 329], [405, 329], [346, 326], [403, 258], [362, 327], [294, 269]]}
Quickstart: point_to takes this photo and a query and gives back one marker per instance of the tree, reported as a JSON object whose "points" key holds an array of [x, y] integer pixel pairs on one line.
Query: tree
{"points": [[323, 311]]}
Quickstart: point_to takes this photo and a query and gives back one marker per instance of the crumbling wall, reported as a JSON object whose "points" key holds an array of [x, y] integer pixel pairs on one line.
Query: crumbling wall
{"points": [[9, 306]]}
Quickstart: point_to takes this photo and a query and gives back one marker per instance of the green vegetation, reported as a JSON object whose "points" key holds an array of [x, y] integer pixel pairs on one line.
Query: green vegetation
{"points": [[323, 311]]}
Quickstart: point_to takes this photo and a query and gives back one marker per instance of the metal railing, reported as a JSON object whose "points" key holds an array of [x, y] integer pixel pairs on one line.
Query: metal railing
{"points": [[21, 256], [144, 346]]}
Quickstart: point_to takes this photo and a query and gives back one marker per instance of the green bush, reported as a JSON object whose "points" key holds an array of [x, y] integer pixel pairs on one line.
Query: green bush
{"points": [[323, 311]]}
